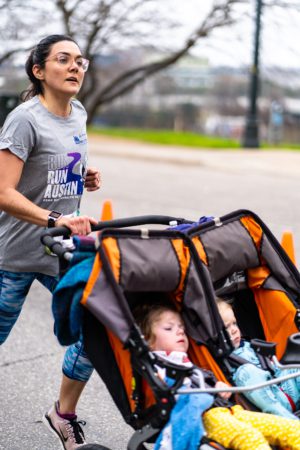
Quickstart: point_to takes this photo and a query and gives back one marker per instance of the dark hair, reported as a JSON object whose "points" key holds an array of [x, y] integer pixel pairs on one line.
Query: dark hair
{"points": [[38, 55]]}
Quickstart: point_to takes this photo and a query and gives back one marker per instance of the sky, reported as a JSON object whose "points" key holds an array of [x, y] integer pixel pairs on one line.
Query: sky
{"points": [[232, 46], [280, 33]]}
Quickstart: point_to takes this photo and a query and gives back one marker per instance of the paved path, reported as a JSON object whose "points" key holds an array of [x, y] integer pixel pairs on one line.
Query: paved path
{"points": [[266, 182], [283, 163]]}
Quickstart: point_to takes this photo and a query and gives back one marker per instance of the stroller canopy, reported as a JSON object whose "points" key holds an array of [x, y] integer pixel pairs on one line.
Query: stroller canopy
{"points": [[241, 254], [159, 261]]}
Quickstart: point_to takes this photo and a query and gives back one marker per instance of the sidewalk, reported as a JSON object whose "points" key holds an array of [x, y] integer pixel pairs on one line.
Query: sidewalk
{"points": [[283, 163]]}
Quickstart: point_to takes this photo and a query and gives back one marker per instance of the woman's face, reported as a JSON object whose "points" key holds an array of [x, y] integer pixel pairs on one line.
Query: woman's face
{"points": [[169, 333], [63, 72]]}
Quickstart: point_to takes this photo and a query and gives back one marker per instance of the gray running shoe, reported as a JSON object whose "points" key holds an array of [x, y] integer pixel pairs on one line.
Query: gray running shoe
{"points": [[69, 432]]}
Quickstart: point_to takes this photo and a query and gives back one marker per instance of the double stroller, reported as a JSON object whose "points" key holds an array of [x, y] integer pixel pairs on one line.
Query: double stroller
{"points": [[128, 263]]}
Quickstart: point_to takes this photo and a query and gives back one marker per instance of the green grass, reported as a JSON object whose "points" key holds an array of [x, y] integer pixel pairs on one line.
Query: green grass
{"points": [[180, 138], [167, 137]]}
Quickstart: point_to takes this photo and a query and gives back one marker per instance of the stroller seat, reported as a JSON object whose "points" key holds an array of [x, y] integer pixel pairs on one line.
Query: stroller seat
{"points": [[247, 265]]}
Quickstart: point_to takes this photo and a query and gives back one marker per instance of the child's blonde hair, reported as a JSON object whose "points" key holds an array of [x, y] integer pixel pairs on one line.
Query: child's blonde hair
{"points": [[223, 305]]}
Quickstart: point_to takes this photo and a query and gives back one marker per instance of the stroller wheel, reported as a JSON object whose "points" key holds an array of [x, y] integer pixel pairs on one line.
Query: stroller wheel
{"points": [[94, 447]]}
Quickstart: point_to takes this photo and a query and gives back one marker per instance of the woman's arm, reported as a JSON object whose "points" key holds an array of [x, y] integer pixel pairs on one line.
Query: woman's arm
{"points": [[11, 201], [15, 204]]}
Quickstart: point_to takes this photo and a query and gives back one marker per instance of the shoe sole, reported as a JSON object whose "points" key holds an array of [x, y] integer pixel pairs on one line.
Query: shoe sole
{"points": [[47, 421]]}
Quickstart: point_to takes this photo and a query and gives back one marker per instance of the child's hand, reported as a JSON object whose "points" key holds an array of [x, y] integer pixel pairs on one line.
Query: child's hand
{"points": [[220, 385]]}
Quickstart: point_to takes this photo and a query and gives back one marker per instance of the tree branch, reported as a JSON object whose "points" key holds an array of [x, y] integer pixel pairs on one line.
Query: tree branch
{"points": [[8, 54], [218, 17]]}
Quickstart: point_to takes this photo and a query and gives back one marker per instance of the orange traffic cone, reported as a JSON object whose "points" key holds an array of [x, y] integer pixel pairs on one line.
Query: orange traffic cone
{"points": [[287, 243], [107, 213]]}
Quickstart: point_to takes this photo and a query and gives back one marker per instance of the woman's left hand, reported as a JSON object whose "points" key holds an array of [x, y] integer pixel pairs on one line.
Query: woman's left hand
{"points": [[220, 385], [92, 179]]}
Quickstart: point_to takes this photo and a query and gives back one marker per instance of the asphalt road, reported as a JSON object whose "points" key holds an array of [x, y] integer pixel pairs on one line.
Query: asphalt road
{"points": [[138, 179]]}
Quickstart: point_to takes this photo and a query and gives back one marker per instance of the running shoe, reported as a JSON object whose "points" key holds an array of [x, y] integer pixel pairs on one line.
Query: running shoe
{"points": [[69, 432]]}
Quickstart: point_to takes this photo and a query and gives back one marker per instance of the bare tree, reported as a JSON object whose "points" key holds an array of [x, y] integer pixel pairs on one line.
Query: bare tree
{"points": [[16, 25], [107, 22], [104, 27]]}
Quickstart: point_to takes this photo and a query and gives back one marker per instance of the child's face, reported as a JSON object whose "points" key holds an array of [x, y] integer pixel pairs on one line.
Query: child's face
{"points": [[169, 333], [231, 326]]}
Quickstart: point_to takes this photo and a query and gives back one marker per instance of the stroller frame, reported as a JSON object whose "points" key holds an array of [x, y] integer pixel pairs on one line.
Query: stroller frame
{"points": [[211, 334]]}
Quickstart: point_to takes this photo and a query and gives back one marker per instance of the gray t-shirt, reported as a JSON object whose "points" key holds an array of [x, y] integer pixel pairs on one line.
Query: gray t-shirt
{"points": [[54, 151]]}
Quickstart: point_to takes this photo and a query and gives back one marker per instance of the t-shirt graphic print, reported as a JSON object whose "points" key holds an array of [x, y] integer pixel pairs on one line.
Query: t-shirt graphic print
{"points": [[66, 175]]}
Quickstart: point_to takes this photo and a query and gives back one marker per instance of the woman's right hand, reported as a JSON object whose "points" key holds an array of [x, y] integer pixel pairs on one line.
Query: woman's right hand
{"points": [[79, 225]]}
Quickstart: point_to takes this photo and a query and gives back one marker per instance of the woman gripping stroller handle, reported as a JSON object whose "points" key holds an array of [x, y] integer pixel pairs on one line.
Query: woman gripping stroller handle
{"points": [[49, 235]]}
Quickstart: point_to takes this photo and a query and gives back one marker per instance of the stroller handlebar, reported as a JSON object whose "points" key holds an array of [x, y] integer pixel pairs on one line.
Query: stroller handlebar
{"points": [[140, 220], [49, 235]]}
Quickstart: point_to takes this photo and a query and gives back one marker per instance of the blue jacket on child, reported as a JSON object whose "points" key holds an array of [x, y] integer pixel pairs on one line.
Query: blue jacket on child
{"points": [[281, 399]]}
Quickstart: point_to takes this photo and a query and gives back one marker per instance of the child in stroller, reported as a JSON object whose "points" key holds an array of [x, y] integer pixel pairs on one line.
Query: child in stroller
{"points": [[280, 399], [232, 427]]}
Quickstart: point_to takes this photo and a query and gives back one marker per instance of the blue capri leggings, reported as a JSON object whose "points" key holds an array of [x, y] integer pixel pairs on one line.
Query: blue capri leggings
{"points": [[14, 287]]}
